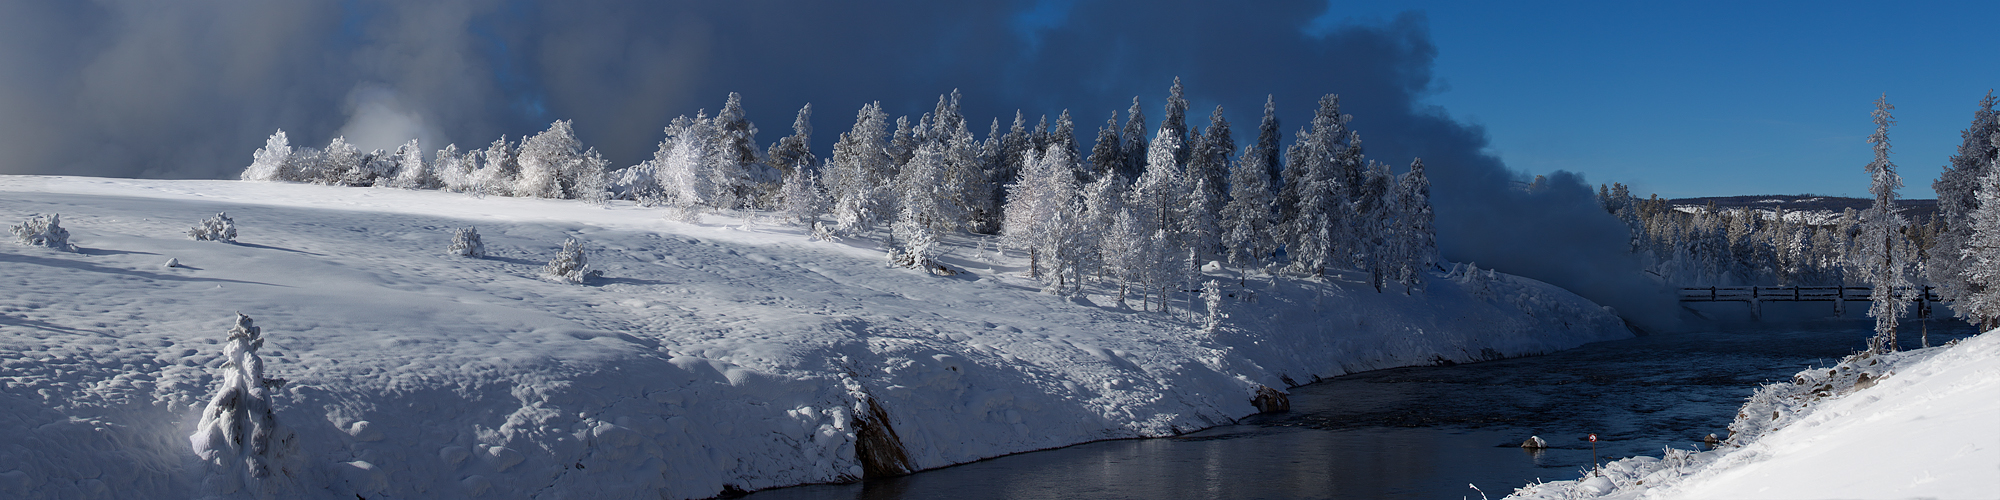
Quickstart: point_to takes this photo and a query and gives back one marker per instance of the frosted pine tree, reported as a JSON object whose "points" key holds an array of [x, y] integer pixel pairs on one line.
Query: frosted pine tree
{"points": [[569, 265], [735, 156], [1373, 217], [925, 214], [1102, 200], [793, 151], [803, 202], [248, 453], [859, 170], [465, 243], [1124, 249], [684, 176], [1105, 159], [1267, 147], [498, 169], [411, 172], [586, 178], [454, 171], [47, 232], [268, 162], [1416, 234], [1134, 150], [1175, 123], [1981, 305], [217, 228], [543, 159], [338, 161], [1881, 254], [1957, 194], [1040, 212], [1246, 218]]}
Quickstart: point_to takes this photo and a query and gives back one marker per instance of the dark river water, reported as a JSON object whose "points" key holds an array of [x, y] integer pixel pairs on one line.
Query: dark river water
{"points": [[1426, 432]]}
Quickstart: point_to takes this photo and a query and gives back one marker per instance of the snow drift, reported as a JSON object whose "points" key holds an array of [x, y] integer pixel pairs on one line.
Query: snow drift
{"points": [[734, 354]]}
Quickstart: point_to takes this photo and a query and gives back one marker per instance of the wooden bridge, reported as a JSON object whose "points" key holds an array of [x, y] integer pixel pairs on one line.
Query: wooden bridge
{"points": [[1923, 295]]}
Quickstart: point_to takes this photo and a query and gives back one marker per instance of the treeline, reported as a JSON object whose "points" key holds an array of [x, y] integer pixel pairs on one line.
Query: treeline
{"points": [[1143, 208]]}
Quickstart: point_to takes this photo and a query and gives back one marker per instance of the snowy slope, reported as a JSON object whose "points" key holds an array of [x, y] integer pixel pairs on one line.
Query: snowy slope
{"points": [[1920, 425], [727, 355]]}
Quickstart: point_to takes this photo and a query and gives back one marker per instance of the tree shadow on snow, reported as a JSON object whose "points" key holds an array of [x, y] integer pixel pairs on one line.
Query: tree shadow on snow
{"points": [[606, 280], [268, 247], [107, 251], [88, 267], [40, 325]]}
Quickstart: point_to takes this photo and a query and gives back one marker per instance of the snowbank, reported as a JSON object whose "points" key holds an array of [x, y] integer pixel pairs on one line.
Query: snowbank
{"points": [[728, 355], [1915, 424]]}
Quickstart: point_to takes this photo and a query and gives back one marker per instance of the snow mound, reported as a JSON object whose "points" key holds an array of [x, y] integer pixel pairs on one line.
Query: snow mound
{"points": [[732, 355], [1914, 424]]}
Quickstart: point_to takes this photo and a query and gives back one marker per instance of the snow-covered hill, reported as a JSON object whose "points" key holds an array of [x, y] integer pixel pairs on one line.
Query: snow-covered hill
{"points": [[727, 355], [1914, 424]]}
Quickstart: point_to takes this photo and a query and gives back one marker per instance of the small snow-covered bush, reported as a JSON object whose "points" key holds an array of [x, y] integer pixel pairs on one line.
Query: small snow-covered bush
{"points": [[217, 228], [569, 266], [465, 243], [41, 231], [239, 436], [1212, 293]]}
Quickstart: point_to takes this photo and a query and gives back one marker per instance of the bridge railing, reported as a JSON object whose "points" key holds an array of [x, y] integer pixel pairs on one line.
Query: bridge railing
{"points": [[1797, 294]]}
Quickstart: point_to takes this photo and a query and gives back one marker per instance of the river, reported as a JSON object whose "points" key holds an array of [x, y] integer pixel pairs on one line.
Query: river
{"points": [[1425, 432]]}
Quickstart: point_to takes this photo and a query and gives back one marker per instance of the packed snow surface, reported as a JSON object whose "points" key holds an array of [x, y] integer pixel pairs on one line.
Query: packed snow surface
{"points": [[1916, 424], [730, 354]]}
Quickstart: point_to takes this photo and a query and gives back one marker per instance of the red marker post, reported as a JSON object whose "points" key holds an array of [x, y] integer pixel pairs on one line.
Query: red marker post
{"points": [[1593, 456]]}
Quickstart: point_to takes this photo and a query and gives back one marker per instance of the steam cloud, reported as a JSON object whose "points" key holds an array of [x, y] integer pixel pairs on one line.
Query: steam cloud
{"points": [[188, 89]]}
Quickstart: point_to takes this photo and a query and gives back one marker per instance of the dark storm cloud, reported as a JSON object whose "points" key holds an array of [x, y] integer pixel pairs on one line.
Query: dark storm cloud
{"points": [[189, 89]]}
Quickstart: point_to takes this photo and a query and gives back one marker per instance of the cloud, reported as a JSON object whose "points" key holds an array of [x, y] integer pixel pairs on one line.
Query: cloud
{"points": [[190, 89]]}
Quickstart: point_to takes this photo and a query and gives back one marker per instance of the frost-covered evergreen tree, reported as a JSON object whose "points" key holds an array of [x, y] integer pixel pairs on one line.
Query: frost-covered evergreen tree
{"points": [[859, 172], [586, 178], [1175, 123], [1125, 253], [569, 265], [465, 243], [793, 151], [684, 176], [411, 172], [498, 169], [1040, 211], [1212, 292], [336, 163], [1373, 217], [1881, 255], [1105, 157], [247, 451], [1200, 227], [1981, 305], [1246, 218], [47, 232], [1315, 233], [217, 228], [1416, 233], [1957, 189], [1267, 147], [543, 158], [735, 157], [803, 201], [1102, 200], [1209, 163], [1159, 200], [454, 170], [1134, 149], [926, 212], [903, 144], [268, 162]]}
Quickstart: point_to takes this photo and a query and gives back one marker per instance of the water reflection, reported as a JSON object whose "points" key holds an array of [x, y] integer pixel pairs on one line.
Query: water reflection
{"points": [[1421, 432]]}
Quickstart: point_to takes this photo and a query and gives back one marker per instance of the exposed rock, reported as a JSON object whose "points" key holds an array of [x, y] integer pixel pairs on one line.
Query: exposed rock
{"points": [[877, 446], [1536, 443], [1270, 400]]}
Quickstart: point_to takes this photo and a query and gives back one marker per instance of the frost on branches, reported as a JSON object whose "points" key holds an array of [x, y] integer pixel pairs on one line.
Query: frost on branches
{"points": [[1882, 253], [38, 231], [465, 243], [247, 451], [217, 228], [569, 265]]}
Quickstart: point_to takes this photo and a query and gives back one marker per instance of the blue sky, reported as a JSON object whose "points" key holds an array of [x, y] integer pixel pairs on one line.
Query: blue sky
{"points": [[1708, 99]]}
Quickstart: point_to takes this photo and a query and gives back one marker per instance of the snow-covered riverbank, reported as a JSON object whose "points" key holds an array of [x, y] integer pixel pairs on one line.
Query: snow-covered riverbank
{"points": [[1913, 424], [726, 355]]}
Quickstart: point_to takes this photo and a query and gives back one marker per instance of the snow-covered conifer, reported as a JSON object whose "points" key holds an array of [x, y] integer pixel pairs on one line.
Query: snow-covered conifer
{"points": [[735, 158], [1175, 123], [1373, 217], [1102, 200], [1246, 218], [1200, 228], [1267, 146], [267, 162], [859, 170], [1209, 162], [465, 243], [336, 163], [1041, 214], [1124, 247], [569, 265], [793, 151], [926, 208], [1957, 199], [1882, 255], [411, 172], [38, 231], [683, 175], [1981, 305], [247, 450], [455, 171], [1134, 150], [498, 169], [1416, 234], [543, 158], [586, 178], [1211, 292], [217, 228], [803, 202], [1105, 159]]}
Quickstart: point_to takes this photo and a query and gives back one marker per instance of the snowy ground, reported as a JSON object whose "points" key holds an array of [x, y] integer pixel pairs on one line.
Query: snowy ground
{"points": [[1915, 424], [727, 355]]}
